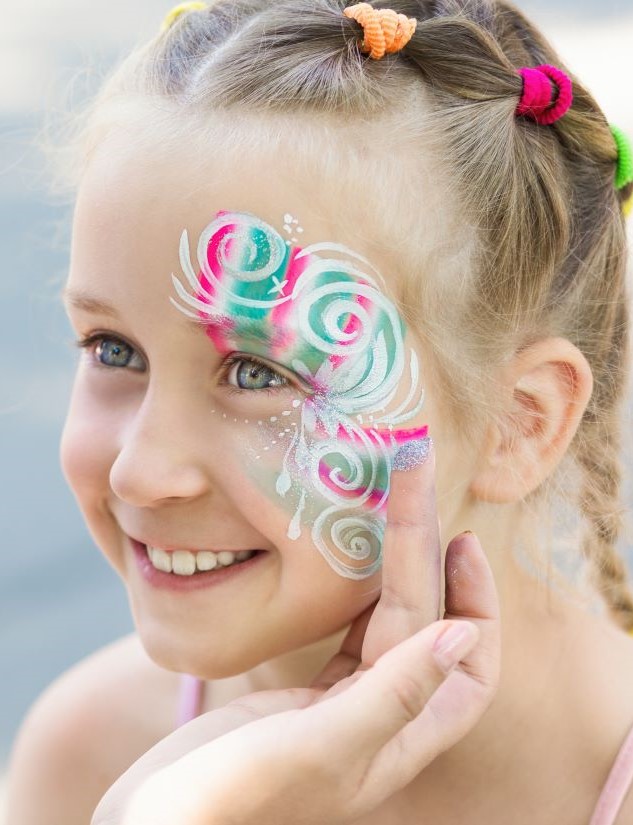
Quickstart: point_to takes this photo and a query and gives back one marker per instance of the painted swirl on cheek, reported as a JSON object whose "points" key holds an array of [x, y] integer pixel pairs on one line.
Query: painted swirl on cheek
{"points": [[323, 310]]}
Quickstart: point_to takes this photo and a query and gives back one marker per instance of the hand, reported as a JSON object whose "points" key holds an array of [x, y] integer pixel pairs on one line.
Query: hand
{"points": [[382, 709]]}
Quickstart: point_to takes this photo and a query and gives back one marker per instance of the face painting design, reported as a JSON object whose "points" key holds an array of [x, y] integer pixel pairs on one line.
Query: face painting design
{"points": [[323, 311]]}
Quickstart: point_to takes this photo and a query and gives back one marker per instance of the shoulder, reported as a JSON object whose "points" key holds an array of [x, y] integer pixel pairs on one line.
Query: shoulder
{"points": [[85, 730]]}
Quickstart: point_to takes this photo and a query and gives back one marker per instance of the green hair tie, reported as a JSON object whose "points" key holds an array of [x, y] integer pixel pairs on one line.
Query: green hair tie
{"points": [[624, 171]]}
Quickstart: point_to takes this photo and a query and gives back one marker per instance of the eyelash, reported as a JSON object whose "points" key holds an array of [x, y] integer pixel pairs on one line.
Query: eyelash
{"points": [[89, 341]]}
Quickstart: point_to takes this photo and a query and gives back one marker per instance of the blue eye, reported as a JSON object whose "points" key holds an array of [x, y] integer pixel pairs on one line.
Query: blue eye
{"points": [[248, 374], [110, 351], [113, 353]]}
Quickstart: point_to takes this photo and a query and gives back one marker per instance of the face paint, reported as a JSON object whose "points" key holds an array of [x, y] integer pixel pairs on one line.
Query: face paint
{"points": [[323, 311]]}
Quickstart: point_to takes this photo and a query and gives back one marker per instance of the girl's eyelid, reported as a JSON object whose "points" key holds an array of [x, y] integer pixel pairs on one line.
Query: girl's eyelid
{"points": [[87, 342], [294, 380]]}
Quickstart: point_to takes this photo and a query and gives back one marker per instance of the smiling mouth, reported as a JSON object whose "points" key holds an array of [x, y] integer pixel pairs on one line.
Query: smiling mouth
{"points": [[188, 563]]}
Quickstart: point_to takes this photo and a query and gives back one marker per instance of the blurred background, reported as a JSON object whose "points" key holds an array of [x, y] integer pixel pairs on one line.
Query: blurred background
{"points": [[59, 599]]}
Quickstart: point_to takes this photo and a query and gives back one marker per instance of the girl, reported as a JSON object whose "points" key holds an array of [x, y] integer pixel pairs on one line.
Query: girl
{"points": [[305, 237]]}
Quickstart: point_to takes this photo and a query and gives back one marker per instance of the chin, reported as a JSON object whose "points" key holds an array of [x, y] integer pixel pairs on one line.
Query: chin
{"points": [[197, 657]]}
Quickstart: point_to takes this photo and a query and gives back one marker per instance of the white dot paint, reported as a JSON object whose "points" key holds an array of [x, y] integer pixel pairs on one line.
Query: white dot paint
{"points": [[286, 412], [246, 420], [274, 442], [296, 403], [273, 417], [267, 448], [260, 423], [223, 415]]}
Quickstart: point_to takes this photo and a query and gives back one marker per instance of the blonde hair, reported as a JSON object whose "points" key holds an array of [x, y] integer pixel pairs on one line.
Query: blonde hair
{"points": [[549, 249]]}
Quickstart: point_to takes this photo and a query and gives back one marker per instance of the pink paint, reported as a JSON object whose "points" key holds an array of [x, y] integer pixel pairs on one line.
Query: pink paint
{"points": [[352, 324], [279, 314], [385, 435], [390, 439]]}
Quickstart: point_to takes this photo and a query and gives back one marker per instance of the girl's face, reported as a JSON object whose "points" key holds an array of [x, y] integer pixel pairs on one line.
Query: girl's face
{"points": [[245, 384]]}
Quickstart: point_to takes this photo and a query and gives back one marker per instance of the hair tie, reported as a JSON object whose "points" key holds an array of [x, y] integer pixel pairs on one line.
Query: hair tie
{"points": [[384, 30], [538, 100], [624, 168], [175, 13]]}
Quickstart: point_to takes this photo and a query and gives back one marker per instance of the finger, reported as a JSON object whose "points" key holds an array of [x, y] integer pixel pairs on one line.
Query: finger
{"points": [[471, 594], [347, 660], [385, 698], [196, 733], [461, 700], [411, 572]]}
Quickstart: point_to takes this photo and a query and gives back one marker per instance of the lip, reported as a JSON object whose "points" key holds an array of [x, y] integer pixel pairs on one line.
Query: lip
{"points": [[187, 584]]}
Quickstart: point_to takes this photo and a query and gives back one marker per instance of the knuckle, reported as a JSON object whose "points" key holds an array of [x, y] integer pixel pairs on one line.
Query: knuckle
{"points": [[394, 598], [410, 697]]}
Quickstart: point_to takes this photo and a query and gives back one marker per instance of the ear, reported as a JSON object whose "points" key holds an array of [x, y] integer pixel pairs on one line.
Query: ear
{"points": [[547, 387]]}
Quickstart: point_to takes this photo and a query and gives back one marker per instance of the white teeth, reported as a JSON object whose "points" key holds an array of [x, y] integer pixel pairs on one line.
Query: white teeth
{"points": [[225, 557], [185, 563], [160, 559], [205, 560]]}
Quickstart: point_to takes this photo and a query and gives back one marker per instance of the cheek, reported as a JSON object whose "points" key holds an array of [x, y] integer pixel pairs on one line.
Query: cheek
{"points": [[85, 451], [305, 487]]}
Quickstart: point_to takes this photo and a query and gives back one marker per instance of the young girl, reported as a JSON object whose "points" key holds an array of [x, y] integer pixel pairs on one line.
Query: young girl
{"points": [[306, 237]]}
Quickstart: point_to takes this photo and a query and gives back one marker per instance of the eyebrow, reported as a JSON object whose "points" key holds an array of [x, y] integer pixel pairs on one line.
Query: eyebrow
{"points": [[98, 306], [87, 303]]}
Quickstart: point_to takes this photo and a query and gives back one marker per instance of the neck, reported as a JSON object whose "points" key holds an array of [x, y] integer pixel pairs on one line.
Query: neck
{"points": [[550, 736]]}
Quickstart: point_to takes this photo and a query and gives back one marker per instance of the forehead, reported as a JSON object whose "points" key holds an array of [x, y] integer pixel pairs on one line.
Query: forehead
{"points": [[158, 189], [144, 184]]}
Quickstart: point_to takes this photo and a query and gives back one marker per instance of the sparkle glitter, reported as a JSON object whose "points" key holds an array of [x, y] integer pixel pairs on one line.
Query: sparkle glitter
{"points": [[412, 454]]}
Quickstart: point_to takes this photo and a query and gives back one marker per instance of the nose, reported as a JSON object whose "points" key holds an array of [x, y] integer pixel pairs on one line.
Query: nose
{"points": [[159, 459]]}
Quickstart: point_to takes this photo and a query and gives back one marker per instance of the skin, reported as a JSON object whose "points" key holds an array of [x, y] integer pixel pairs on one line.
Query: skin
{"points": [[142, 453]]}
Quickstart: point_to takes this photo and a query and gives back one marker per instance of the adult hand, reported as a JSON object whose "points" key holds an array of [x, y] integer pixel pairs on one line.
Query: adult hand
{"points": [[402, 689]]}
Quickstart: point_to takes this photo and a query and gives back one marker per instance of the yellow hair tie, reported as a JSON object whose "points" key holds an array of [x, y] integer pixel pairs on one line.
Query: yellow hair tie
{"points": [[628, 211], [175, 13]]}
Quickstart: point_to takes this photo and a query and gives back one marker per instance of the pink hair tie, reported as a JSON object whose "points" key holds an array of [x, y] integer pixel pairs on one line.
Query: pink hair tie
{"points": [[538, 100]]}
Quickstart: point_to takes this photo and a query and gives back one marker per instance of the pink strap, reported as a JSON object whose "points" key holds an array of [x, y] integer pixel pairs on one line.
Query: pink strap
{"points": [[617, 785], [190, 699]]}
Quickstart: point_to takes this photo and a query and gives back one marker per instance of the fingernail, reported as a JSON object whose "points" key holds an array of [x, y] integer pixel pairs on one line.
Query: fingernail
{"points": [[452, 645], [412, 454]]}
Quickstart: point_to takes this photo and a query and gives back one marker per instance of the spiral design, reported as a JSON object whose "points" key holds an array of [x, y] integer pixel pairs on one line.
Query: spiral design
{"points": [[354, 549], [347, 339], [344, 319]]}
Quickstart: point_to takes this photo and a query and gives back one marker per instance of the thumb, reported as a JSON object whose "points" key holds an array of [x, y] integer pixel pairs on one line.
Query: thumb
{"points": [[395, 690]]}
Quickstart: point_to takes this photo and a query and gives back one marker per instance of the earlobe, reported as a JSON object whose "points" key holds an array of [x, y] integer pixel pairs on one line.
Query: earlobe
{"points": [[547, 387]]}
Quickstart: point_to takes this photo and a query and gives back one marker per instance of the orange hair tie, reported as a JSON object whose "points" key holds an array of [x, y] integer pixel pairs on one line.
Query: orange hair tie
{"points": [[384, 30]]}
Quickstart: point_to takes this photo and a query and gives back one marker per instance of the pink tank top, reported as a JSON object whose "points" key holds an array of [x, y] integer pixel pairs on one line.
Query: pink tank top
{"points": [[613, 793]]}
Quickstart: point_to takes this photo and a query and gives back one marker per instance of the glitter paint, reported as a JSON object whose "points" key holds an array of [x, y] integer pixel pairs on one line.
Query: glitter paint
{"points": [[323, 311], [412, 454]]}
